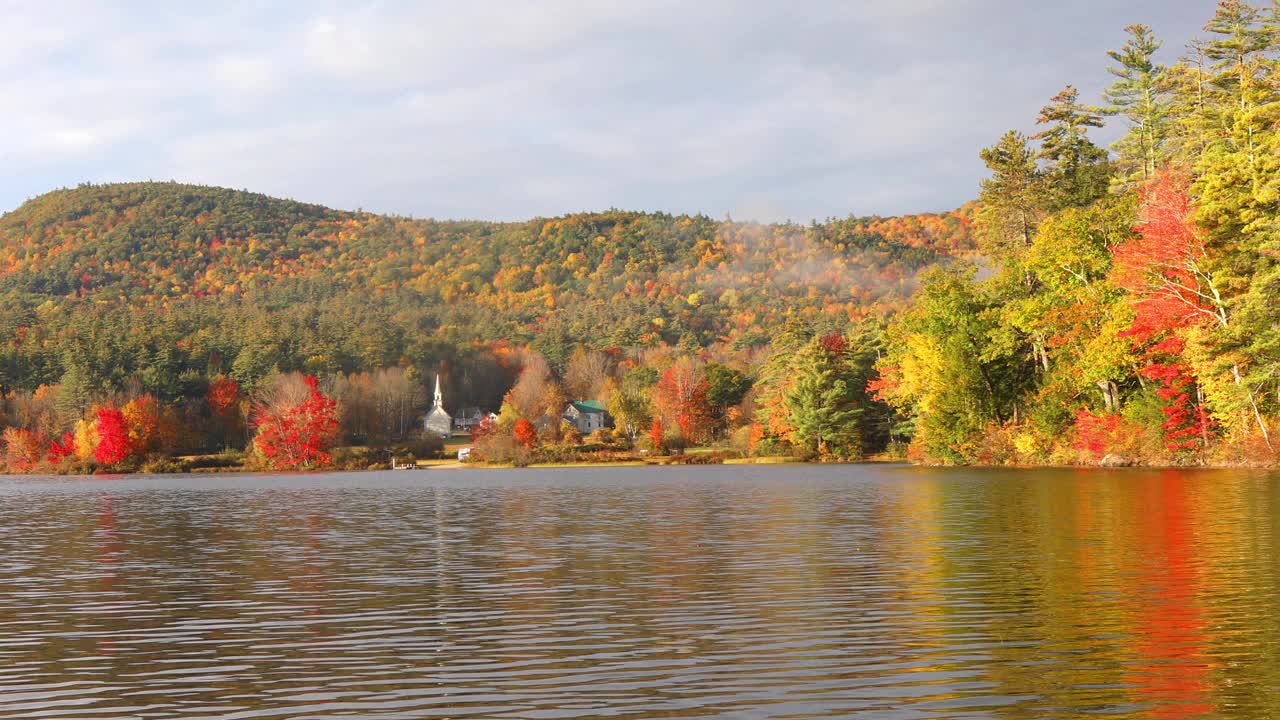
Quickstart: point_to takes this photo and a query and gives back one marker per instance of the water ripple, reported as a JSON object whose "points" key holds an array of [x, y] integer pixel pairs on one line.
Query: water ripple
{"points": [[793, 592]]}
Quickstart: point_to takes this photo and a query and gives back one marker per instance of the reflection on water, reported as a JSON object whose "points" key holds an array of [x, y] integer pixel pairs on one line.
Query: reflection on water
{"points": [[863, 592]]}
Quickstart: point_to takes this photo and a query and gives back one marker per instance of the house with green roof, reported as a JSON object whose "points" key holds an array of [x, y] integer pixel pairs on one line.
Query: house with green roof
{"points": [[586, 415]]}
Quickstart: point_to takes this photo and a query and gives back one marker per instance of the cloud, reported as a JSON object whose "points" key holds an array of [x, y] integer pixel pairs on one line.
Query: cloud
{"points": [[510, 110]]}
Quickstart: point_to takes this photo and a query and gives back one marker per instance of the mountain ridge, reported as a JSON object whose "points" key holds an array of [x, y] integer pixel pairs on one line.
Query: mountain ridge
{"points": [[211, 276]]}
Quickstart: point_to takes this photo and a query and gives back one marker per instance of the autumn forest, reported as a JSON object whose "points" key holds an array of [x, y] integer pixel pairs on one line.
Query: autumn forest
{"points": [[1098, 303]]}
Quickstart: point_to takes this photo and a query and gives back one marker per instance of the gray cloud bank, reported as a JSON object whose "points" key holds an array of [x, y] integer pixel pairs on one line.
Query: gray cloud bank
{"points": [[508, 110]]}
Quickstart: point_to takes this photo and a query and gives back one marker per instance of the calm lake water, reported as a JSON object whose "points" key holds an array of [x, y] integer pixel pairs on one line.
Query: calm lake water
{"points": [[742, 592]]}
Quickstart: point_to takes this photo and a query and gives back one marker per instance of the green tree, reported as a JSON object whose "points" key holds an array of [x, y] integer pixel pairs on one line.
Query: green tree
{"points": [[826, 400], [630, 401], [1077, 170], [941, 369], [726, 387], [1138, 94], [1012, 198]]}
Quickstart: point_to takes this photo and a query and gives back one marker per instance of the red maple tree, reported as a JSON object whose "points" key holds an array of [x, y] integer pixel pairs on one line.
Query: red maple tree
{"points": [[223, 396], [681, 395], [1163, 264], [1187, 423], [656, 434], [298, 435], [113, 433], [1163, 268]]}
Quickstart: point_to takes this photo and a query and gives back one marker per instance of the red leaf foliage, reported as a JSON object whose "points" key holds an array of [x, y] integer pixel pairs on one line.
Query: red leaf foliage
{"points": [[1160, 265], [1186, 422], [681, 394], [113, 433], [59, 449], [656, 434], [834, 343], [298, 435], [525, 433], [23, 449]]}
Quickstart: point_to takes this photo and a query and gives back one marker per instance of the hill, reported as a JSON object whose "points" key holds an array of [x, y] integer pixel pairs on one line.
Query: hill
{"points": [[152, 283]]}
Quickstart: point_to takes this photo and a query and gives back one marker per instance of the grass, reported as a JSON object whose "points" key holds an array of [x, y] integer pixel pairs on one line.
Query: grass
{"points": [[603, 463], [456, 443], [771, 460]]}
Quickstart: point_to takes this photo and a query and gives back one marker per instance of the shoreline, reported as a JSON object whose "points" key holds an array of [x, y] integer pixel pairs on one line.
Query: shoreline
{"points": [[454, 465]]}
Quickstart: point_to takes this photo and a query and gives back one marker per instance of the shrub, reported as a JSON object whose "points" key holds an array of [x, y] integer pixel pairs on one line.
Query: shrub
{"points": [[768, 446], [996, 446], [358, 458], [499, 447], [422, 445], [570, 434], [166, 465], [524, 433], [23, 449], [1097, 436]]}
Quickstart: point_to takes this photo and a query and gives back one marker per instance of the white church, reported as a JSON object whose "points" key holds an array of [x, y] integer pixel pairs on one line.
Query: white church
{"points": [[437, 422]]}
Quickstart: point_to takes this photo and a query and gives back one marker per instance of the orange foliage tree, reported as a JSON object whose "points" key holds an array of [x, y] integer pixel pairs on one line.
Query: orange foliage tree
{"points": [[681, 395], [23, 449], [142, 420], [525, 433]]}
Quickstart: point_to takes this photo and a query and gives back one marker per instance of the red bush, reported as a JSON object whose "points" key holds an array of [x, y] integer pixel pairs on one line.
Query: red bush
{"points": [[525, 433], [64, 448]]}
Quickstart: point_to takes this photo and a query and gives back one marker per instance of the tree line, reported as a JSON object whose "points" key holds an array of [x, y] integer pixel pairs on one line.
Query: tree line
{"points": [[1124, 310], [1094, 305]]}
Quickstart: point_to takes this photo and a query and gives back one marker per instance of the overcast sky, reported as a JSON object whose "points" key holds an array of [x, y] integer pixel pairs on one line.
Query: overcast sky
{"points": [[509, 110]]}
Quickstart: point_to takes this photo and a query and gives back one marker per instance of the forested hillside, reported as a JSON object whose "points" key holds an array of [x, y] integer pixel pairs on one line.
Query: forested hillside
{"points": [[159, 289]]}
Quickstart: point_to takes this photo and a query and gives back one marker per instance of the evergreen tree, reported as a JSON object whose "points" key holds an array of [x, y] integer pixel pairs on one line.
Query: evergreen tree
{"points": [[825, 401], [1077, 169], [1011, 199], [1138, 94]]}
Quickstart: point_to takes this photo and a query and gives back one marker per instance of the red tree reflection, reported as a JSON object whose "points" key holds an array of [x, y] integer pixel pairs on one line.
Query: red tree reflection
{"points": [[1173, 676]]}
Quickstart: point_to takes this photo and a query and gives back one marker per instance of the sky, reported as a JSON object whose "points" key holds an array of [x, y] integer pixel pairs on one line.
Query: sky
{"points": [[754, 109]]}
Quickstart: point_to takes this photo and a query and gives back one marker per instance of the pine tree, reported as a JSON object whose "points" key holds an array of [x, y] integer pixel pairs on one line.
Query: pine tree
{"points": [[1238, 49], [1238, 199], [1138, 94], [1191, 123], [825, 403], [1011, 200], [776, 378], [1077, 169]]}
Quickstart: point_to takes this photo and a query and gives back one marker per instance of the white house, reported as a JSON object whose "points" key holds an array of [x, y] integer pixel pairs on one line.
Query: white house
{"points": [[587, 415], [469, 418]]}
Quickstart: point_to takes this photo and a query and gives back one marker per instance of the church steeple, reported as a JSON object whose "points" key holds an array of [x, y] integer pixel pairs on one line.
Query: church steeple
{"points": [[438, 421]]}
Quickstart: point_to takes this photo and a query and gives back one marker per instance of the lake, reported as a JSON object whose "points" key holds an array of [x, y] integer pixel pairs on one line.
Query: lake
{"points": [[728, 591]]}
